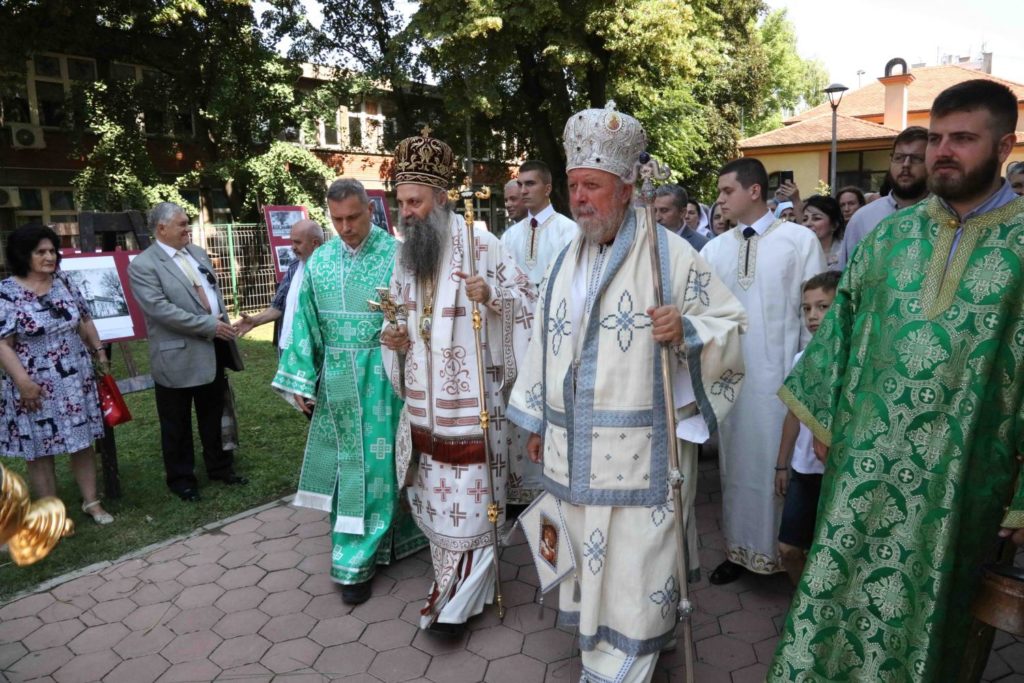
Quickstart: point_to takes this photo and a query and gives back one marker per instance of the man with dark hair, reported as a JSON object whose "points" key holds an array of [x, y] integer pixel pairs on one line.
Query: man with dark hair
{"points": [[535, 241], [431, 359], [912, 388], [908, 179], [332, 370], [669, 208], [764, 261]]}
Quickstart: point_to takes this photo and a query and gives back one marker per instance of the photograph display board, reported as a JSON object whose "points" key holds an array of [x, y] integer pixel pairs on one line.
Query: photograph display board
{"points": [[280, 220], [102, 277], [381, 215]]}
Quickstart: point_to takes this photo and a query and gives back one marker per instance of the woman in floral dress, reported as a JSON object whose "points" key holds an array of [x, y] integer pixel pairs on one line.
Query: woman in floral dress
{"points": [[48, 398]]}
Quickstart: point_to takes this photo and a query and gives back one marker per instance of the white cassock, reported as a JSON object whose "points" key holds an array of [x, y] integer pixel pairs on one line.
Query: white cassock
{"points": [[766, 273], [440, 438], [592, 386], [534, 248]]}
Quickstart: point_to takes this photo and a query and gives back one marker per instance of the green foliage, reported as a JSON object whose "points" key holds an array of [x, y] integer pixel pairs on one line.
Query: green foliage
{"points": [[287, 174], [119, 173]]}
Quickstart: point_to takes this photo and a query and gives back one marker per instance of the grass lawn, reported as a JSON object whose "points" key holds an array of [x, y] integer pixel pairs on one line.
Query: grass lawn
{"points": [[272, 436]]}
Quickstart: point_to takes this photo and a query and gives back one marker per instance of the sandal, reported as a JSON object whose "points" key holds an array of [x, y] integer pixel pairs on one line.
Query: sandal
{"points": [[102, 517]]}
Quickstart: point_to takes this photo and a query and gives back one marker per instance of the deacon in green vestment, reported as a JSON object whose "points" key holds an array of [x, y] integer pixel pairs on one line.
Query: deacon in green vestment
{"points": [[334, 360], [914, 384]]}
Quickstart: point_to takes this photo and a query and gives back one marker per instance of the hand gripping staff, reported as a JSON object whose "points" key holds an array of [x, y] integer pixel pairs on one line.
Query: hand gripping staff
{"points": [[649, 170], [467, 193]]}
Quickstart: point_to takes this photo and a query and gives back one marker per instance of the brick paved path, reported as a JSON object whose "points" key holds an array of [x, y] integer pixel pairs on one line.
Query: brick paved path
{"points": [[250, 600]]}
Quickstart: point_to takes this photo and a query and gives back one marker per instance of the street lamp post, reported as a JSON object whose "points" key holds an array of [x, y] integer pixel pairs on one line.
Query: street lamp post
{"points": [[835, 96]]}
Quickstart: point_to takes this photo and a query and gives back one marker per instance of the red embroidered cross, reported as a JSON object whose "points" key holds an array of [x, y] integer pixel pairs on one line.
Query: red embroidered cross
{"points": [[478, 491], [443, 490]]}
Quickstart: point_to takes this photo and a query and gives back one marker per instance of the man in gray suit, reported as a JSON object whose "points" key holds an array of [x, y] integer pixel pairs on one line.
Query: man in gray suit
{"points": [[191, 342]]}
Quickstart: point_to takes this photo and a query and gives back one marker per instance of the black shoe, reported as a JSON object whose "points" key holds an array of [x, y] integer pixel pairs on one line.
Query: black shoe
{"points": [[232, 479], [356, 593], [447, 630], [189, 495], [727, 572]]}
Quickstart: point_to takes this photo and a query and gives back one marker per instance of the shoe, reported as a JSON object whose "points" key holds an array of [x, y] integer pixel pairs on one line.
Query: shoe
{"points": [[188, 495], [727, 572], [356, 593], [101, 517], [232, 479], [447, 630]]}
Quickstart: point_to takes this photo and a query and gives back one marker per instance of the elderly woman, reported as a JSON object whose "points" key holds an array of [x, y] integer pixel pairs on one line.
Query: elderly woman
{"points": [[47, 342]]}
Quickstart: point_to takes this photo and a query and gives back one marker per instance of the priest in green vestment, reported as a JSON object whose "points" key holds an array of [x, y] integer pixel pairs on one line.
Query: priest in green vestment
{"points": [[914, 389], [332, 368]]}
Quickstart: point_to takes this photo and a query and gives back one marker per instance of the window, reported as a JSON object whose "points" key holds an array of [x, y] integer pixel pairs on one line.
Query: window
{"points": [[865, 170], [14, 105], [350, 129], [46, 205], [162, 118], [52, 81]]}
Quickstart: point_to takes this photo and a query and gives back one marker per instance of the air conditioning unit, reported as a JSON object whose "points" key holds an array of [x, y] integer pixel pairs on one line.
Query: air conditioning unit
{"points": [[24, 136], [9, 198]]}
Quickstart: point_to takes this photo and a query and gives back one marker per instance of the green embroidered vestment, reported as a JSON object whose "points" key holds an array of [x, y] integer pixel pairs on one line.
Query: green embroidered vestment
{"points": [[335, 356], [915, 380]]}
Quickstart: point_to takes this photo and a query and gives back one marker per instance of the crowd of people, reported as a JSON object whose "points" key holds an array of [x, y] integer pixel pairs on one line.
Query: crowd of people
{"points": [[858, 357]]}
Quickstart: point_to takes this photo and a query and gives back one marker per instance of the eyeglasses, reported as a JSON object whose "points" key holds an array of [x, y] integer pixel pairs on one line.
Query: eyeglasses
{"points": [[913, 159]]}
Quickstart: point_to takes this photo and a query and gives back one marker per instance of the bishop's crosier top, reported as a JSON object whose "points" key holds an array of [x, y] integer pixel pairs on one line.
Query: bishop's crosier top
{"points": [[423, 160], [604, 139]]}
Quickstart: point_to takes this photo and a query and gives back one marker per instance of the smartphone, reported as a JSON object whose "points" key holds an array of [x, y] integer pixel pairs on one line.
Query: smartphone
{"points": [[784, 176]]}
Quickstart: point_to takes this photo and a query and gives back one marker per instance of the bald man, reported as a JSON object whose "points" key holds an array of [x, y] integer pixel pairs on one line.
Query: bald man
{"points": [[305, 236], [514, 207]]}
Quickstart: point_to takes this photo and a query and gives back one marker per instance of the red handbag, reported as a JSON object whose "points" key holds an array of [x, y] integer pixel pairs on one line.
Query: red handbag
{"points": [[115, 410]]}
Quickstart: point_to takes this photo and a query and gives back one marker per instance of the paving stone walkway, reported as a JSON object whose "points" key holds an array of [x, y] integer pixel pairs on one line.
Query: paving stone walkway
{"points": [[251, 600]]}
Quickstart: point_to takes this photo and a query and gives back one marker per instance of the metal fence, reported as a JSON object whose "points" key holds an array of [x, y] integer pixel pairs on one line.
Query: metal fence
{"points": [[243, 263]]}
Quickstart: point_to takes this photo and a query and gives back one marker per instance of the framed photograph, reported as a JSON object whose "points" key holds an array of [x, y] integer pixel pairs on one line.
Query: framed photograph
{"points": [[102, 278], [285, 256], [381, 215], [280, 220]]}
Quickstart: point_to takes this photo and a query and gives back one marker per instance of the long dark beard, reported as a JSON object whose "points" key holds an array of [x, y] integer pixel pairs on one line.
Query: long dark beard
{"points": [[424, 243]]}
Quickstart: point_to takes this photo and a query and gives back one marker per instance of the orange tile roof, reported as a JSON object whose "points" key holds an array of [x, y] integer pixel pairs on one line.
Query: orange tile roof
{"points": [[818, 130], [929, 81]]}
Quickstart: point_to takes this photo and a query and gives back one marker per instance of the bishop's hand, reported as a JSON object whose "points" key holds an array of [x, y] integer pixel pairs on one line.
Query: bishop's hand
{"points": [[533, 448], [477, 288], [667, 324], [396, 338]]}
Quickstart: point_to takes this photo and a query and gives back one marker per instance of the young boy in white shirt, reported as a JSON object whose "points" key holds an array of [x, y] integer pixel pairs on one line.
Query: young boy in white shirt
{"points": [[802, 487]]}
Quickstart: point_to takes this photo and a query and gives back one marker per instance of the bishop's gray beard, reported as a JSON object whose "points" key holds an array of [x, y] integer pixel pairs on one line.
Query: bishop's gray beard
{"points": [[424, 242], [596, 228]]}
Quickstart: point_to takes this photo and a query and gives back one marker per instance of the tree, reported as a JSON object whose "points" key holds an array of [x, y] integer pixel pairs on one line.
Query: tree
{"points": [[218, 73], [693, 71]]}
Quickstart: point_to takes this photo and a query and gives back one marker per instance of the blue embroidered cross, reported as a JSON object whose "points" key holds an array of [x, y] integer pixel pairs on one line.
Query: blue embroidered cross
{"points": [[559, 327], [667, 598], [725, 385], [594, 550], [534, 400], [624, 321], [697, 287]]}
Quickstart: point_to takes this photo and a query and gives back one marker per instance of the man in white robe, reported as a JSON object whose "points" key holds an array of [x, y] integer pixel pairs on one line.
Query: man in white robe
{"points": [[432, 363], [764, 260], [601, 427], [534, 243]]}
